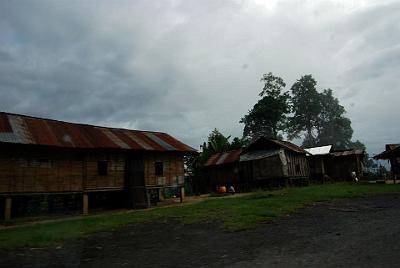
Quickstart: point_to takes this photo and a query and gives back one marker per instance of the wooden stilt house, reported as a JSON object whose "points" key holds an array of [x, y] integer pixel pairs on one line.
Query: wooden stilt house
{"points": [[265, 162], [271, 162], [392, 154], [43, 156], [327, 163]]}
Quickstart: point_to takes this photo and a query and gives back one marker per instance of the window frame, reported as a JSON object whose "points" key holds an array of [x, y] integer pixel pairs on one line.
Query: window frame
{"points": [[102, 167], [159, 168]]}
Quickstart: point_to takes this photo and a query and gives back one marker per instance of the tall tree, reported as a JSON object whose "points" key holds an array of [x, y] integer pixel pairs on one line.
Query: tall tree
{"points": [[368, 162], [268, 116], [333, 127], [305, 108]]}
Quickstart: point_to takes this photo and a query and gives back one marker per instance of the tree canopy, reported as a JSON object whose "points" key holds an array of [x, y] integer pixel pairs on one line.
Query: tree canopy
{"points": [[318, 117], [305, 109], [216, 143], [268, 116]]}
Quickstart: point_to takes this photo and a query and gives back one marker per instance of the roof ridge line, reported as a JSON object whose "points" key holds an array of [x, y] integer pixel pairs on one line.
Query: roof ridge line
{"points": [[82, 124]]}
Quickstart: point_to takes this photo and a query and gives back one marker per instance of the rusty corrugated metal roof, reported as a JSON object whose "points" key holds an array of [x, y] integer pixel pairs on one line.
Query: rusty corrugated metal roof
{"points": [[23, 129], [348, 152], [263, 143], [392, 150], [391, 146], [290, 146], [223, 158]]}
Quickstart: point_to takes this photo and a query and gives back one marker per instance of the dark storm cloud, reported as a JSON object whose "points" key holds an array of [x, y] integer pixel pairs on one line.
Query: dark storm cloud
{"points": [[185, 67]]}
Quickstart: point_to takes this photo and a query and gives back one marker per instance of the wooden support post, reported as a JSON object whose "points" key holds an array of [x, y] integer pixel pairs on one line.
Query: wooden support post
{"points": [[148, 199], [161, 194], [85, 204], [182, 195], [7, 208]]}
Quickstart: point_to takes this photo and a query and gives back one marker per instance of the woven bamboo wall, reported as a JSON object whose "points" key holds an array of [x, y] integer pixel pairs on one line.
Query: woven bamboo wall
{"points": [[267, 168], [115, 175], [297, 165], [29, 170], [173, 170]]}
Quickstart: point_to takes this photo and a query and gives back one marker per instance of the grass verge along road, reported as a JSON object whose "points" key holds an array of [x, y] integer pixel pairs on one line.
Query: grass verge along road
{"points": [[233, 213]]}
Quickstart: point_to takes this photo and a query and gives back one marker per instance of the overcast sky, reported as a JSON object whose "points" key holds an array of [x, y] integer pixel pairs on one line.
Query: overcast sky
{"points": [[186, 67]]}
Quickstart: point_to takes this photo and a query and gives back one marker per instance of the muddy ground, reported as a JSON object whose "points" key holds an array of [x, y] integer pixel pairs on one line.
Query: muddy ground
{"points": [[362, 232]]}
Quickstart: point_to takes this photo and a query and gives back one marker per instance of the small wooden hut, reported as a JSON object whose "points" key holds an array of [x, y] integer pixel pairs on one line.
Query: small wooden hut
{"points": [[392, 154], [45, 157], [265, 162], [271, 162], [318, 159], [334, 164], [222, 169]]}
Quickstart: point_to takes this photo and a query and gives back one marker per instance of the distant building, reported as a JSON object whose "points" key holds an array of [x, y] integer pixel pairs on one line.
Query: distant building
{"points": [[336, 164], [318, 157], [222, 169], [392, 153], [43, 156], [265, 162]]}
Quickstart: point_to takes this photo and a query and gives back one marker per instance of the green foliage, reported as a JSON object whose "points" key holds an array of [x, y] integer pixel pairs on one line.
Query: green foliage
{"points": [[233, 213], [268, 116], [318, 116], [333, 127], [216, 143], [368, 162], [305, 108], [236, 143]]}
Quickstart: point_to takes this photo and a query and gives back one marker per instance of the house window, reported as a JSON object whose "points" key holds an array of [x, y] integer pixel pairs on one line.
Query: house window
{"points": [[102, 168], [159, 168]]}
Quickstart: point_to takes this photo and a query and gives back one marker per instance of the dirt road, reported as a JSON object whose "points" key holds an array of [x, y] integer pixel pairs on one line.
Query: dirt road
{"points": [[362, 232]]}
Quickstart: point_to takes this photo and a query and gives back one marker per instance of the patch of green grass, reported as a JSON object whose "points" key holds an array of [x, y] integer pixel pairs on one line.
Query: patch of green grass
{"points": [[233, 213]]}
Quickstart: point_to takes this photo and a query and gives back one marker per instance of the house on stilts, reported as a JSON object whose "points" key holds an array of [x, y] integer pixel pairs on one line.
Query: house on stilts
{"points": [[49, 157], [264, 163]]}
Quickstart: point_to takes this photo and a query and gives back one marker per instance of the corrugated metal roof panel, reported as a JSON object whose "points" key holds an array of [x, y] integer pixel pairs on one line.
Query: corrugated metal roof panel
{"points": [[139, 141], [115, 139], [255, 155], [321, 150], [348, 152], [8, 137], [172, 141], [31, 130], [20, 129], [391, 146], [392, 150], [149, 141], [263, 143], [125, 138], [160, 142], [212, 160], [223, 158], [290, 146], [4, 124]]}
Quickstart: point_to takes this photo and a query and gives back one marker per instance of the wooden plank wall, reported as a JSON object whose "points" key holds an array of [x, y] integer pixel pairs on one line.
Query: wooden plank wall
{"points": [[26, 170], [173, 167], [267, 168], [36, 171], [116, 170], [223, 175], [340, 167], [299, 160]]}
